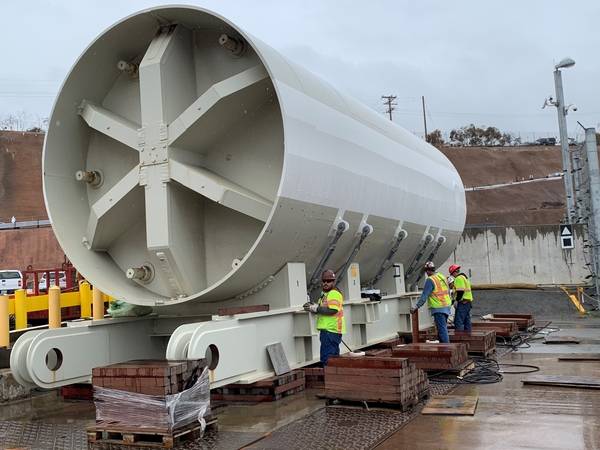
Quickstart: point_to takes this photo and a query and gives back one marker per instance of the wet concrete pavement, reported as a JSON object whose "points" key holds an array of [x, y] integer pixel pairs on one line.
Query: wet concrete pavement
{"points": [[512, 416]]}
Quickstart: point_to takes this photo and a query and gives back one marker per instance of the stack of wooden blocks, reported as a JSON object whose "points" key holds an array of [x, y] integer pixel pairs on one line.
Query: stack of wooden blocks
{"points": [[375, 379], [267, 390], [433, 356]]}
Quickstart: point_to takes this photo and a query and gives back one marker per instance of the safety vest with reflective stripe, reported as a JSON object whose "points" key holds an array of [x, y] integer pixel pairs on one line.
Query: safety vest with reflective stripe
{"points": [[462, 283], [335, 323], [440, 297]]}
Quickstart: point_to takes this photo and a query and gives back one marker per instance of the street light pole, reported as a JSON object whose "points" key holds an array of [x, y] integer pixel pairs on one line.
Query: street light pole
{"points": [[594, 186], [564, 137]]}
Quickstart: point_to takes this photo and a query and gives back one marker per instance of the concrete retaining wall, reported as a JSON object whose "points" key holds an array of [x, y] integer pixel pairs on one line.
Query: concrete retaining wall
{"points": [[519, 254]]}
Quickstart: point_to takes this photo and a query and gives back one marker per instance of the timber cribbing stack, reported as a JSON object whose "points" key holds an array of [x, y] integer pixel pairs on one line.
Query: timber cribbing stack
{"points": [[502, 329], [481, 342], [523, 321], [433, 356], [267, 390], [375, 379]]}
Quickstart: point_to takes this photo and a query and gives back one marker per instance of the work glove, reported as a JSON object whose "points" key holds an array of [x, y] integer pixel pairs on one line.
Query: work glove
{"points": [[311, 307], [414, 309]]}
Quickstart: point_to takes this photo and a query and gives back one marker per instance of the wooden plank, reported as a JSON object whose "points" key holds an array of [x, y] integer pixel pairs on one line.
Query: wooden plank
{"points": [[561, 340], [452, 405], [242, 310], [563, 381], [516, 316], [582, 357]]}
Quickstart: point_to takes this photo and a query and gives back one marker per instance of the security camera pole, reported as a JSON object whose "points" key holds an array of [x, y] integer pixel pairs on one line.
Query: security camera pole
{"points": [[564, 137]]}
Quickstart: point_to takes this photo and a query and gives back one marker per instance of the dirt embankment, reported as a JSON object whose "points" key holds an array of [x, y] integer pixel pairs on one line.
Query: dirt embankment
{"points": [[21, 176], [541, 202], [531, 203]]}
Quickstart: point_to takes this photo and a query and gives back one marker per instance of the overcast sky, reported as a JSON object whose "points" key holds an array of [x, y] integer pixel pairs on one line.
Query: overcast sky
{"points": [[488, 63]]}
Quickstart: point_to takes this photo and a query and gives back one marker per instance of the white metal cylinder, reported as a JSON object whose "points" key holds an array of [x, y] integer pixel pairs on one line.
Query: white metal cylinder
{"points": [[220, 166]]}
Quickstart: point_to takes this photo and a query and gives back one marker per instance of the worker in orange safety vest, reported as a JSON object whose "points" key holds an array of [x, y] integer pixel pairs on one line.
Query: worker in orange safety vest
{"points": [[437, 295]]}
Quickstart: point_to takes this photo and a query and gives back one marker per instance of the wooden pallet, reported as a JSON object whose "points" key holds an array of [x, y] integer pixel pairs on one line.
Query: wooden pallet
{"points": [[257, 398], [488, 353], [335, 402], [77, 391], [102, 435], [459, 371]]}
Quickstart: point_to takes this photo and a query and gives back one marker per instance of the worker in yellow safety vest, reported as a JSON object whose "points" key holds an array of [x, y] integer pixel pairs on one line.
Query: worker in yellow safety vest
{"points": [[464, 299], [437, 295], [330, 316]]}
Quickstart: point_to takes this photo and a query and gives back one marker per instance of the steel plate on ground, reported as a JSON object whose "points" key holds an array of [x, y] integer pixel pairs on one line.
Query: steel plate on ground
{"points": [[341, 428]]}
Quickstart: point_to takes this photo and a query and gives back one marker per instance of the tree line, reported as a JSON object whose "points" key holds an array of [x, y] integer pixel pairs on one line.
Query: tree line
{"points": [[473, 136]]}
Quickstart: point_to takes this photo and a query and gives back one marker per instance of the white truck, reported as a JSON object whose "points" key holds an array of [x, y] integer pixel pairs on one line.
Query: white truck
{"points": [[10, 281]]}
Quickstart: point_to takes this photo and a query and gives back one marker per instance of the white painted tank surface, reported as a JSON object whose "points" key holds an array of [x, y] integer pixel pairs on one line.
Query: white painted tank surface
{"points": [[188, 161]]}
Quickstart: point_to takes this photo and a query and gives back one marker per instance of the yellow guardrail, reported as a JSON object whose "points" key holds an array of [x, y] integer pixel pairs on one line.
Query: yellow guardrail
{"points": [[21, 305]]}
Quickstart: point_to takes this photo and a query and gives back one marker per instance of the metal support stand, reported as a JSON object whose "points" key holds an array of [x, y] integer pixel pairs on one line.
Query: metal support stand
{"points": [[366, 231], [387, 262], [420, 252], [62, 356], [438, 244]]}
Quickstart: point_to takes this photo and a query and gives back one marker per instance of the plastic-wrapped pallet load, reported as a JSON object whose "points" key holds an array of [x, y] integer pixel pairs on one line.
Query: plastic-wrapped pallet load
{"points": [[186, 397]]}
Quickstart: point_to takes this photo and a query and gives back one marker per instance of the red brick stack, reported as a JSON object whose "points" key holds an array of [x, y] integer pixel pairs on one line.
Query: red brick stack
{"points": [[390, 343], [267, 390], [480, 342], [523, 321], [150, 377], [433, 356], [502, 329], [378, 352], [375, 379], [314, 377], [139, 394]]}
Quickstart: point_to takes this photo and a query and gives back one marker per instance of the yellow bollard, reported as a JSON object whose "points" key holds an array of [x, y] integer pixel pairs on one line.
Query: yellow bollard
{"points": [[4, 322], [85, 296], [54, 307], [98, 304], [20, 309]]}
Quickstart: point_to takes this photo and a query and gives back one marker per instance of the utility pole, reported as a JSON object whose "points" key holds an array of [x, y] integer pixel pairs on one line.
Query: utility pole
{"points": [[424, 118], [390, 102]]}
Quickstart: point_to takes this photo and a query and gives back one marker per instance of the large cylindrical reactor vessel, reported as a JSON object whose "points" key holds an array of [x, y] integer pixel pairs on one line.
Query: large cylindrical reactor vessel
{"points": [[188, 161]]}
